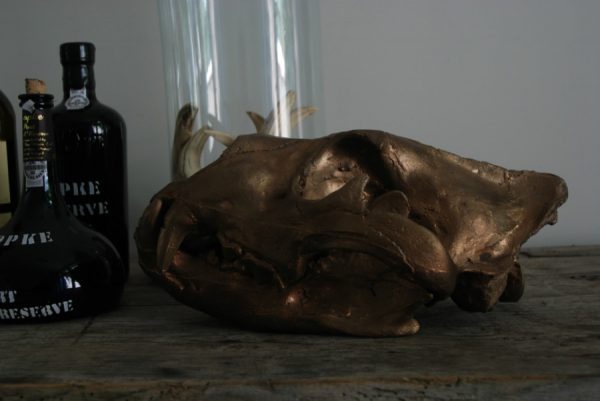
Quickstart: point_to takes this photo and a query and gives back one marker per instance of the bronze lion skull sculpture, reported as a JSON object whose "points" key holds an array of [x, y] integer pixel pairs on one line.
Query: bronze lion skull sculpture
{"points": [[349, 233]]}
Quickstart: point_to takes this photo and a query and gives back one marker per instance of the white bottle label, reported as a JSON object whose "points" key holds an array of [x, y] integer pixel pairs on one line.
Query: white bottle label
{"points": [[26, 239], [77, 99], [36, 173], [10, 310]]}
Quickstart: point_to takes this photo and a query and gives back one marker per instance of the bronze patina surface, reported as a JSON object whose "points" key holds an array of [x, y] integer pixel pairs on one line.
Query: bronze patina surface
{"points": [[349, 233]]}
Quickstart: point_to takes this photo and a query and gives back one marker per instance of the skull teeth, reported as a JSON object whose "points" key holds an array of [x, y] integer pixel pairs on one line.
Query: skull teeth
{"points": [[178, 224]]}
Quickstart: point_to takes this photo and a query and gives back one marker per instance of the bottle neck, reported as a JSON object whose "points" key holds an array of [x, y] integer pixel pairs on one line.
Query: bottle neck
{"points": [[40, 183], [78, 78]]}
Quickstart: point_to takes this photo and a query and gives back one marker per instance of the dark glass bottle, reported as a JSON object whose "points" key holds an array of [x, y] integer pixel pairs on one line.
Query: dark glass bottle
{"points": [[90, 140], [52, 267], [9, 176]]}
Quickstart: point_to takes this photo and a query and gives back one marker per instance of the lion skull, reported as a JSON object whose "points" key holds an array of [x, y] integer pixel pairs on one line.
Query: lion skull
{"points": [[348, 233]]}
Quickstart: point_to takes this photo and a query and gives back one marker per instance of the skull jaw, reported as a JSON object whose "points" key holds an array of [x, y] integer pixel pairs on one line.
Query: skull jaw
{"points": [[375, 302]]}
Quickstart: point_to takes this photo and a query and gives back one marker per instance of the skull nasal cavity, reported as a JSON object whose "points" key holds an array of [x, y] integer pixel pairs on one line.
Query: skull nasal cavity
{"points": [[340, 162]]}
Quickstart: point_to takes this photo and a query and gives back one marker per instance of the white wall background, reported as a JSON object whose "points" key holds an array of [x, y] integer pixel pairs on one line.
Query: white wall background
{"points": [[513, 82]]}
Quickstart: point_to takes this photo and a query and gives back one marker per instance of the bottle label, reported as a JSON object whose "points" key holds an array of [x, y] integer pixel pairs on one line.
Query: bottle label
{"points": [[14, 305], [4, 218], [4, 187], [36, 173], [26, 239], [77, 99], [85, 199], [37, 312], [37, 142]]}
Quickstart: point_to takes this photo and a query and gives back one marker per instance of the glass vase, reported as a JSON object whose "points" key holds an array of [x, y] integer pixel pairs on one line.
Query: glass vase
{"points": [[237, 67]]}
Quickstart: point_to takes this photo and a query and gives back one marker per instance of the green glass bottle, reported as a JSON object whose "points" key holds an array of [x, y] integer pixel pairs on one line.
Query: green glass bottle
{"points": [[91, 150], [52, 267]]}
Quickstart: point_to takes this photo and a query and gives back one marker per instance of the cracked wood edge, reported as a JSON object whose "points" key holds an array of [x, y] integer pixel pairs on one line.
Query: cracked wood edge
{"points": [[561, 251]]}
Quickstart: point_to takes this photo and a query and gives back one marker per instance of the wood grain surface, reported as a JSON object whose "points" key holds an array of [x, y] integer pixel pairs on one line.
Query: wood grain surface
{"points": [[545, 347]]}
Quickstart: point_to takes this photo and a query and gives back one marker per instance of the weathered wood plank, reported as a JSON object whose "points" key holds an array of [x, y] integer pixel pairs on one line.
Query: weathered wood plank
{"points": [[547, 346], [445, 389]]}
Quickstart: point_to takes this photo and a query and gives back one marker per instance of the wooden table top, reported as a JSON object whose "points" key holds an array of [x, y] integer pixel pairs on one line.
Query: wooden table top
{"points": [[545, 347]]}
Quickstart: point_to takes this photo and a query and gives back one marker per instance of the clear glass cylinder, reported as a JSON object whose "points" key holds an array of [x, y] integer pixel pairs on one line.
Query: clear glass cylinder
{"points": [[224, 58]]}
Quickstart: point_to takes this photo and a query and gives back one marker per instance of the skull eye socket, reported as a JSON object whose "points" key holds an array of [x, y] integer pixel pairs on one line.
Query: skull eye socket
{"points": [[340, 163], [196, 243]]}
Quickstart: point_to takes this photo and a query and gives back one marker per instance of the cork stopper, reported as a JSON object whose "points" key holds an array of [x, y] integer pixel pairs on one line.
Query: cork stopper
{"points": [[33, 86]]}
